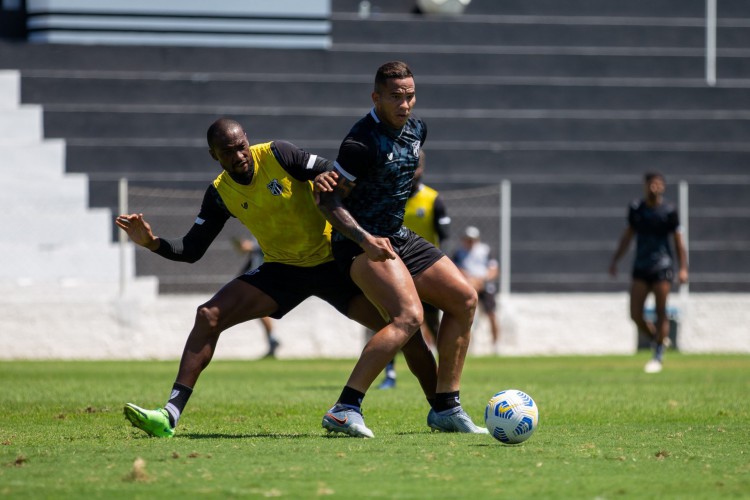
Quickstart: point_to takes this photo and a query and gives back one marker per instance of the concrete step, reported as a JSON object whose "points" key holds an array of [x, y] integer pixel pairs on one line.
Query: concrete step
{"points": [[59, 194], [42, 159], [23, 123], [69, 91], [10, 89], [491, 161], [76, 261], [531, 31], [363, 59], [733, 194], [443, 125], [48, 228]]}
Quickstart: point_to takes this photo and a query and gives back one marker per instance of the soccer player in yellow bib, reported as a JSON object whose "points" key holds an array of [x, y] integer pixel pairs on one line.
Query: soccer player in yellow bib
{"points": [[425, 214], [267, 187]]}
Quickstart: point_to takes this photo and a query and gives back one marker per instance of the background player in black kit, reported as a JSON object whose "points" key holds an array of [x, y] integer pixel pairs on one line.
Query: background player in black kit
{"points": [[652, 220], [392, 265]]}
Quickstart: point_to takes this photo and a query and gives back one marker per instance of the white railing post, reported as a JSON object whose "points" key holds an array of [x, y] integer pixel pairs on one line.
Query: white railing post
{"points": [[684, 224], [123, 238], [505, 241], [711, 42]]}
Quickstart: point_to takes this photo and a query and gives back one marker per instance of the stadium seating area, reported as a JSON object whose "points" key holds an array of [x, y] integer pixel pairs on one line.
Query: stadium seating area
{"points": [[570, 101]]}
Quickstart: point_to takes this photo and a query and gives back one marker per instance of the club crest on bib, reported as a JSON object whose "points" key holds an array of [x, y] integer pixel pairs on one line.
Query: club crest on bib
{"points": [[415, 148], [275, 187]]}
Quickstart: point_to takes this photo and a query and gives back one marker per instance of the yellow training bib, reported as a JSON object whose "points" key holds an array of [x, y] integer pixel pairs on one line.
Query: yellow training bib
{"points": [[279, 210], [419, 215]]}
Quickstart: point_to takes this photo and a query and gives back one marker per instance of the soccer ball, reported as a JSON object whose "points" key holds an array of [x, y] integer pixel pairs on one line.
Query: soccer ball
{"points": [[511, 416]]}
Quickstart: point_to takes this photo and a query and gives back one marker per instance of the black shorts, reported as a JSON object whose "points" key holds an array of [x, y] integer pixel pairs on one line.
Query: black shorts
{"points": [[653, 276], [290, 285], [417, 253], [487, 301]]}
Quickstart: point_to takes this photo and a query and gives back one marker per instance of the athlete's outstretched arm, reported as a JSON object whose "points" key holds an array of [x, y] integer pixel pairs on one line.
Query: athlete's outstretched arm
{"points": [[139, 231], [191, 247]]}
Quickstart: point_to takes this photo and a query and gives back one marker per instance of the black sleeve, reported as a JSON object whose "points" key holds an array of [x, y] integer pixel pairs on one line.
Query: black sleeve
{"points": [[300, 164], [632, 211], [209, 223], [354, 158], [442, 221]]}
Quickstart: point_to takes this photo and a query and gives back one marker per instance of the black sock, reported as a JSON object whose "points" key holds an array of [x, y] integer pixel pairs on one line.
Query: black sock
{"points": [[351, 397], [431, 401], [177, 401], [446, 401]]}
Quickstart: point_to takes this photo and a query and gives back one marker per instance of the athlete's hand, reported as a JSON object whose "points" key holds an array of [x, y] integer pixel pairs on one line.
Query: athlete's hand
{"points": [[682, 275], [325, 182], [138, 230], [378, 249]]}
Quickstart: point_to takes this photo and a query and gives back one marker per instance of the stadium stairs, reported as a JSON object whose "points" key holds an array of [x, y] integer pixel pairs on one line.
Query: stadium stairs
{"points": [[52, 237], [570, 101]]}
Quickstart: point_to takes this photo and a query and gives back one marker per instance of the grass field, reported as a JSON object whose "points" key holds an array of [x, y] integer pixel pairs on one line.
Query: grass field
{"points": [[252, 429]]}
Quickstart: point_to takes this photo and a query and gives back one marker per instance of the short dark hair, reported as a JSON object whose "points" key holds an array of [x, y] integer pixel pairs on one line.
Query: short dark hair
{"points": [[218, 130], [389, 71], [649, 176]]}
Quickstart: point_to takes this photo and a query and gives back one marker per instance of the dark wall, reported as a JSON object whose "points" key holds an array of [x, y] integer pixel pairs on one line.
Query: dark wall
{"points": [[13, 19]]}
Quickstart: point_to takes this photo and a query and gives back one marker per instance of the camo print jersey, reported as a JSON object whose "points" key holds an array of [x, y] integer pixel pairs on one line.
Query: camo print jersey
{"points": [[380, 161]]}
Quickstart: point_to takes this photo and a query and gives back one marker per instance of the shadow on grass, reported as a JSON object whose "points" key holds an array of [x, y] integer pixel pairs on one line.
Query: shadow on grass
{"points": [[256, 435]]}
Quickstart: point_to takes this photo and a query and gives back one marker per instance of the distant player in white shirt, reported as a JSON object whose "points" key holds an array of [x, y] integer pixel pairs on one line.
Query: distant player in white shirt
{"points": [[474, 259]]}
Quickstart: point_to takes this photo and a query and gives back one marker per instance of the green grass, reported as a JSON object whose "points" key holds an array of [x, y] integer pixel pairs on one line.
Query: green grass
{"points": [[252, 429]]}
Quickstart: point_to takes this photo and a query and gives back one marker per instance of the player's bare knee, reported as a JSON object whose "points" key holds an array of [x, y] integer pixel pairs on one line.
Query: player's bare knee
{"points": [[468, 305], [208, 317], [410, 319]]}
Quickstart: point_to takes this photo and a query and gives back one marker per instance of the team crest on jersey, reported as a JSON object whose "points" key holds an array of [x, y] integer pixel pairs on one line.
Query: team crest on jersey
{"points": [[420, 213], [415, 148], [275, 187]]}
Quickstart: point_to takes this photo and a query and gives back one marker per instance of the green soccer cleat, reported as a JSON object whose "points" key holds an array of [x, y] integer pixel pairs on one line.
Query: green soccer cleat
{"points": [[152, 422]]}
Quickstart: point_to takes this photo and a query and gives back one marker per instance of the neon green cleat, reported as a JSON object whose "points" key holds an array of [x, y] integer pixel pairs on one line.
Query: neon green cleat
{"points": [[152, 422]]}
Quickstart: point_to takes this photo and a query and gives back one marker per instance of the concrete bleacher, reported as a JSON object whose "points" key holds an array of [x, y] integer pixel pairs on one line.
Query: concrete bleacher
{"points": [[53, 237], [571, 103]]}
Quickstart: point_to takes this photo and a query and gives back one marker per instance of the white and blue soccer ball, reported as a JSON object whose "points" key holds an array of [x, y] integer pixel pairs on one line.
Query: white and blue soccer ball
{"points": [[511, 416]]}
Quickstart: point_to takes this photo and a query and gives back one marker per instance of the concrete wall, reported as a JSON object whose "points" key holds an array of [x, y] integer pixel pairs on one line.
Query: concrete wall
{"points": [[85, 323]]}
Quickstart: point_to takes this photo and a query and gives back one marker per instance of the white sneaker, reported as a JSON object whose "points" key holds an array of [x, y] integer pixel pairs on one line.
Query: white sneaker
{"points": [[653, 366]]}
